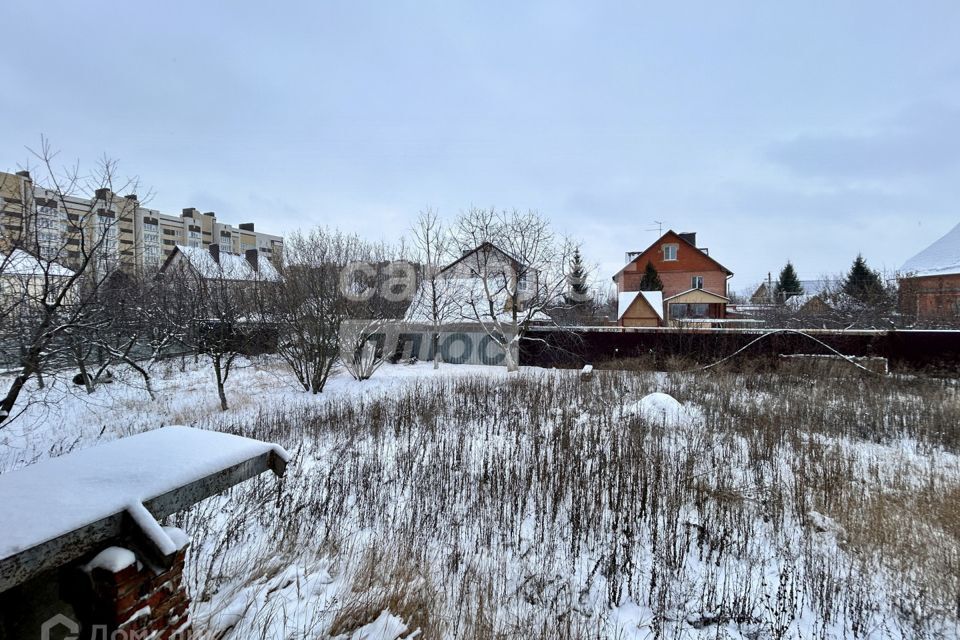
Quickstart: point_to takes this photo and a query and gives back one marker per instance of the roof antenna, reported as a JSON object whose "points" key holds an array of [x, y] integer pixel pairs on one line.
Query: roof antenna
{"points": [[659, 224]]}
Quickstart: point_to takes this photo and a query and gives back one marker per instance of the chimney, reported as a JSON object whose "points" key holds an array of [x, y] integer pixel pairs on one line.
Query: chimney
{"points": [[253, 257], [246, 226], [689, 236], [215, 252], [24, 174]]}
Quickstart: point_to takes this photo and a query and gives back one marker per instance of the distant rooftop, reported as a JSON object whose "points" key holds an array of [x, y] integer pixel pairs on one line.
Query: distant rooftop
{"points": [[940, 258], [231, 266]]}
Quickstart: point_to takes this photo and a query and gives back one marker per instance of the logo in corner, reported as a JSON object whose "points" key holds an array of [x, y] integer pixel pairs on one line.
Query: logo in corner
{"points": [[59, 620]]}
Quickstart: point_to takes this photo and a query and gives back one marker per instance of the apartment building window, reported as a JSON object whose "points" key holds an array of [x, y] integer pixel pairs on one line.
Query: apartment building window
{"points": [[151, 243], [51, 225], [670, 252], [151, 254], [151, 234], [106, 230], [193, 239], [697, 282]]}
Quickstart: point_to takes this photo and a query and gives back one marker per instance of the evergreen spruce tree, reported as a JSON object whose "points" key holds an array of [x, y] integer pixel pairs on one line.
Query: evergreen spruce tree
{"points": [[863, 283], [578, 292], [651, 279], [788, 284]]}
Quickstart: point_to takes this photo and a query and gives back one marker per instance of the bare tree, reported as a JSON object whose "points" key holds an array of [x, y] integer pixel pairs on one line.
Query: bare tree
{"points": [[433, 302], [310, 305], [123, 319], [360, 351], [224, 293], [825, 305], [379, 288], [59, 249], [513, 268]]}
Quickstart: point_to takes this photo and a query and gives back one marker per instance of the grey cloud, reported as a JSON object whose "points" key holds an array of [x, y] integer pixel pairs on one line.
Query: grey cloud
{"points": [[920, 140]]}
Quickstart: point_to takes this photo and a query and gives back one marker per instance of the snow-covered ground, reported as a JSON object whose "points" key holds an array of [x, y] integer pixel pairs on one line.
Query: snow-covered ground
{"points": [[466, 502]]}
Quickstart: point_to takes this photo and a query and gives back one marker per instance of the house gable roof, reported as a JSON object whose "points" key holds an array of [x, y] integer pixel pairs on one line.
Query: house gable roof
{"points": [[673, 235], [517, 263], [23, 264], [703, 291], [652, 299], [232, 266], [940, 258]]}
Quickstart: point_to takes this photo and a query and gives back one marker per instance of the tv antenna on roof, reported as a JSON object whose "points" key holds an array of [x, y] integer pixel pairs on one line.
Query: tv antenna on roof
{"points": [[659, 224]]}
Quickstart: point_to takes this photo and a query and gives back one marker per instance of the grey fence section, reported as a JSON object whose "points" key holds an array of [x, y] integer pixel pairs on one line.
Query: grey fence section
{"points": [[457, 344]]}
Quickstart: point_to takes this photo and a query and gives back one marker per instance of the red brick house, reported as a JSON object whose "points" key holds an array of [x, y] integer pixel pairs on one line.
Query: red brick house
{"points": [[930, 282], [694, 284]]}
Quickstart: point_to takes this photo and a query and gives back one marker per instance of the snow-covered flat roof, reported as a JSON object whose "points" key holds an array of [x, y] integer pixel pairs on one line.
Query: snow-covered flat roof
{"points": [[139, 477], [940, 258]]}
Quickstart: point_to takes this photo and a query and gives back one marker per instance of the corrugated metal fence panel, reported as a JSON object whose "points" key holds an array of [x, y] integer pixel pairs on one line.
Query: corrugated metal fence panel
{"points": [[457, 344], [905, 349]]}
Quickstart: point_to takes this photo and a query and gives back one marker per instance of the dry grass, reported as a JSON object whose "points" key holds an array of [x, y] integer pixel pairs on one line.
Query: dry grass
{"points": [[384, 583], [533, 506]]}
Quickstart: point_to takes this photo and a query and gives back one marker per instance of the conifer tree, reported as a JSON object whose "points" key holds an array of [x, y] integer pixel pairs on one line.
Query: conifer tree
{"points": [[651, 279], [788, 284], [578, 291], [863, 283]]}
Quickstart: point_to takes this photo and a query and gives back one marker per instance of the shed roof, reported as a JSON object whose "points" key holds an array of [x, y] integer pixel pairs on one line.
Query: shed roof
{"points": [[653, 298], [55, 511]]}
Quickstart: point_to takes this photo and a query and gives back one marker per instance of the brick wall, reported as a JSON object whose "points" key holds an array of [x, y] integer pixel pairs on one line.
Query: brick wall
{"points": [[931, 298], [138, 601], [676, 275]]}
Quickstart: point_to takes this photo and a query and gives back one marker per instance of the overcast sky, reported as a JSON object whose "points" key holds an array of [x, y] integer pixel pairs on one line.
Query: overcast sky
{"points": [[806, 130]]}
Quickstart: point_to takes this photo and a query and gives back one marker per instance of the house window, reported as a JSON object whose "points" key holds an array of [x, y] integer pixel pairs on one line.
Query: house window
{"points": [[670, 251], [697, 282], [696, 310], [523, 283]]}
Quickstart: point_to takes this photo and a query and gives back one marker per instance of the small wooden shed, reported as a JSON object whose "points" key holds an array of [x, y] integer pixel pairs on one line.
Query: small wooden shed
{"points": [[640, 309]]}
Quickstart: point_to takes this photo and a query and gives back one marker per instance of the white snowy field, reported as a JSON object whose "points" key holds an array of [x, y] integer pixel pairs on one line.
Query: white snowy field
{"points": [[468, 503]]}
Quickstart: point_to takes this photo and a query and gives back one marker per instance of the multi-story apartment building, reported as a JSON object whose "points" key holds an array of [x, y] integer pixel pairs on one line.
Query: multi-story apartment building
{"points": [[117, 230]]}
